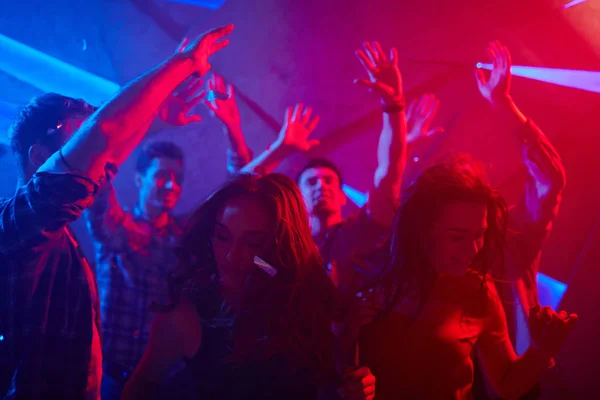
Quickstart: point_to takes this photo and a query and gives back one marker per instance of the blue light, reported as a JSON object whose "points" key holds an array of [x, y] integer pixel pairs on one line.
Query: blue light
{"points": [[357, 197], [210, 4], [1, 338], [550, 290], [52, 75], [573, 3], [577, 79], [479, 65]]}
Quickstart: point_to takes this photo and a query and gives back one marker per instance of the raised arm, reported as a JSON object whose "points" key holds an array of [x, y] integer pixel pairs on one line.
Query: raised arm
{"points": [[224, 106], [298, 124], [419, 115], [116, 125], [546, 179], [108, 223], [512, 376], [385, 80]]}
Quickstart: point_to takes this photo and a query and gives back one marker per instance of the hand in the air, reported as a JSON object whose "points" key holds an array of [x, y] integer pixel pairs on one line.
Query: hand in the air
{"points": [[297, 127], [205, 46], [175, 109], [384, 75], [496, 88], [222, 103], [419, 116], [549, 329], [358, 384]]}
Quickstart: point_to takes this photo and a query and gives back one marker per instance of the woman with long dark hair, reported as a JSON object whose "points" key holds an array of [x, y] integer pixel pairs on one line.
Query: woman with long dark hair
{"points": [[436, 301], [252, 306]]}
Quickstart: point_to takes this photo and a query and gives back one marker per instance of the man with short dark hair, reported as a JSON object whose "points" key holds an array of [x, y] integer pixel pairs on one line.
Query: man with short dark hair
{"points": [[135, 250], [49, 308]]}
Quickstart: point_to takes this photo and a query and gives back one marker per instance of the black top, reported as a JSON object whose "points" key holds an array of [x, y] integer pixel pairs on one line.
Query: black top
{"points": [[218, 376]]}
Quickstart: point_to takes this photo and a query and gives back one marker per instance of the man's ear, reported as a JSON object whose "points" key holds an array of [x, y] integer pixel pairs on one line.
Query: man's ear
{"points": [[37, 155]]}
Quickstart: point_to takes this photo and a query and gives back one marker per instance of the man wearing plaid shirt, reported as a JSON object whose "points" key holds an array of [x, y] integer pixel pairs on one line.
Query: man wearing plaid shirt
{"points": [[49, 319], [135, 250]]}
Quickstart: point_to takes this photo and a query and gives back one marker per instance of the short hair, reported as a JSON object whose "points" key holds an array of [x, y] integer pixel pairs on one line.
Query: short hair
{"points": [[320, 163], [38, 120], [155, 150]]}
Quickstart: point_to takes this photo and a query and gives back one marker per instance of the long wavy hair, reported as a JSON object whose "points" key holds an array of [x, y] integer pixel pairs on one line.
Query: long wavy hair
{"points": [[409, 272], [293, 308]]}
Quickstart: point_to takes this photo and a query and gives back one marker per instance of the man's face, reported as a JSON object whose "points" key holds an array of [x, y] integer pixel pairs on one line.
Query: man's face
{"points": [[160, 185], [322, 191]]}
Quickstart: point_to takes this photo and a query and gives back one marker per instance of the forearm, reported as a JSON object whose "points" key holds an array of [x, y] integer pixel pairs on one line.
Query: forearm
{"points": [[237, 141], [115, 125], [391, 157], [524, 373], [268, 160], [541, 158]]}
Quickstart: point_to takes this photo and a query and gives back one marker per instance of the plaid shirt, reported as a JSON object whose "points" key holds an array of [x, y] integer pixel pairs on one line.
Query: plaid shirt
{"points": [[133, 260], [47, 291]]}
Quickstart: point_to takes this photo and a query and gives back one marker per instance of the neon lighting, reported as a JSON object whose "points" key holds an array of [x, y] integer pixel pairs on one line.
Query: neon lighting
{"points": [[210, 4], [573, 3], [584, 80], [551, 291], [52, 75], [357, 197]]}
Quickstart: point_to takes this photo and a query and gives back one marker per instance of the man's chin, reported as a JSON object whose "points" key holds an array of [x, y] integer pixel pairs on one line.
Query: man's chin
{"points": [[324, 209]]}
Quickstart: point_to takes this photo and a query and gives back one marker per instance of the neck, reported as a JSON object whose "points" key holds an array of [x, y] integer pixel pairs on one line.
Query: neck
{"points": [[158, 218], [321, 224]]}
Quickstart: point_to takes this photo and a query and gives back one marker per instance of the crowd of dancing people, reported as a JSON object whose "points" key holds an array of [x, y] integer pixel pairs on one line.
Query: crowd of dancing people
{"points": [[265, 290]]}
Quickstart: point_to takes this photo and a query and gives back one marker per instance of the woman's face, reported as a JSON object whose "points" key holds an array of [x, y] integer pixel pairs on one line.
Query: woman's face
{"points": [[457, 237], [244, 229]]}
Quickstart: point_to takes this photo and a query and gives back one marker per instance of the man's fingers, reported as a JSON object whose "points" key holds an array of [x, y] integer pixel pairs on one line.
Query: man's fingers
{"points": [[366, 62], [197, 99], [371, 53], [306, 115], [480, 77], [189, 119], [313, 124], [380, 52], [297, 112], [218, 46]]}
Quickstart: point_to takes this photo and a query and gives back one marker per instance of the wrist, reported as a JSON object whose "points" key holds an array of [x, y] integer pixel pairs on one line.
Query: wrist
{"points": [[502, 102], [282, 148], [187, 61]]}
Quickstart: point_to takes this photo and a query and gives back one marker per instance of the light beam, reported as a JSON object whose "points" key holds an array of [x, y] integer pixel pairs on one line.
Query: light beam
{"points": [[356, 196], [49, 74], [577, 79]]}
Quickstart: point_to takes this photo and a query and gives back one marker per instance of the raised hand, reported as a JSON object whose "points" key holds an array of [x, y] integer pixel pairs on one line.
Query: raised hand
{"points": [[358, 384], [497, 87], [384, 75], [548, 329], [205, 46], [297, 127], [419, 115], [175, 109], [222, 103]]}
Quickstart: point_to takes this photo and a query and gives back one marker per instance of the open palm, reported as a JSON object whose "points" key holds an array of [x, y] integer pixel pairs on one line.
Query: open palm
{"points": [[497, 85]]}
